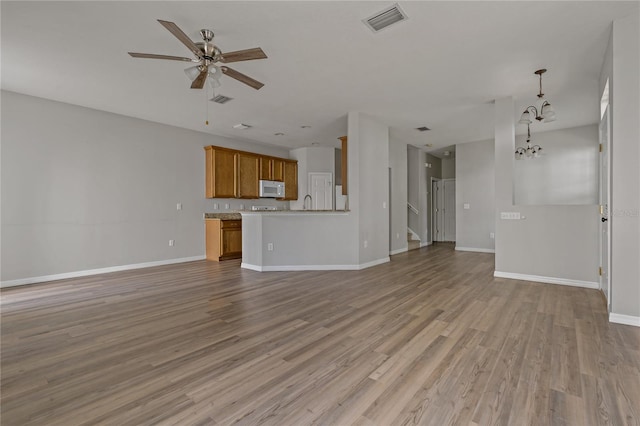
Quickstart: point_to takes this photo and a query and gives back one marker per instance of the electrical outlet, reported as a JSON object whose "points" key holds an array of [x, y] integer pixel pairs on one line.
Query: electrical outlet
{"points": [[366, 243], [510, 215], [384, 204], [215, 206], [397, 236], [226, 206], [179, 206], [492, 235], [466, 206], [171, 243], [270, 247], [241, 206]]}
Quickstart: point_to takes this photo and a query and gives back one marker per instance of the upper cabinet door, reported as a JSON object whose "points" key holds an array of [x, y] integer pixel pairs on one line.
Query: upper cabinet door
{"points": [[248, 175], [278, 170], [345, 166], [266, 168], [290, 174], [220, 173]]}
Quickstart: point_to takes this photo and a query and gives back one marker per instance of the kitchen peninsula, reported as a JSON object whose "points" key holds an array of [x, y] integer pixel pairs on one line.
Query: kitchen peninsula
{"points": [[298, 240]]}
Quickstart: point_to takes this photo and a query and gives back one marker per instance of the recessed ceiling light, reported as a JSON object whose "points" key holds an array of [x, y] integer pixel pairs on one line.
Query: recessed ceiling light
{"points": [[278, 134], [241, 126]]}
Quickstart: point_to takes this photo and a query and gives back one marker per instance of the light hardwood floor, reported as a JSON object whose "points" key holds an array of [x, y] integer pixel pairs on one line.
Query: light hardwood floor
{"points": [[429, 338]]}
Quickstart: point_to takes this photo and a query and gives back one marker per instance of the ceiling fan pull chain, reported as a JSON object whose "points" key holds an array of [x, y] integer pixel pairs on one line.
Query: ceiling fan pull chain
{"points": [[206, 103]]}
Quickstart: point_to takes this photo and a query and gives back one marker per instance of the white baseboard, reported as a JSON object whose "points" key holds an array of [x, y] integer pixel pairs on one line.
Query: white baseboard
{"points": [[548, 280], [479, 250], [285, 268], [426, 243], [398, 251], [624, 319], [77, 274]]}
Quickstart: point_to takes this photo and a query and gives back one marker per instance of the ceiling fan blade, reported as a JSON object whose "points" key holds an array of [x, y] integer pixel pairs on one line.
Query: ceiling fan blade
{"points": [[180, 35], [198, 82], [242, 78], [243, 55], [154, 56]]}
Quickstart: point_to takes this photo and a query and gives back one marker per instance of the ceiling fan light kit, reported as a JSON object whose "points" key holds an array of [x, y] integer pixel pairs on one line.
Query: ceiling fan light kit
{"points": [[545, 113]]}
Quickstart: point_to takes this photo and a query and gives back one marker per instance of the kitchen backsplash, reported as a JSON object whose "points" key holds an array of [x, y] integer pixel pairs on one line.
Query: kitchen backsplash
{"points": [[233, 204]]}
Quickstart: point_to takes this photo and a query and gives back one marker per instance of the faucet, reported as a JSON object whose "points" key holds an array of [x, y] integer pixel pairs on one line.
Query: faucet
{"points": [[304, 203]]}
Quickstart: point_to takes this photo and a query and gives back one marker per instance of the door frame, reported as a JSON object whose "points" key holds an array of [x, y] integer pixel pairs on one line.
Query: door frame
{"points": [[432, 209], [605, 256]]}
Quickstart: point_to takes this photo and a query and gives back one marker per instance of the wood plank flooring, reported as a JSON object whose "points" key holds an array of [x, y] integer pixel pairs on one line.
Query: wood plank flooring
{"points": [[429, 338]]}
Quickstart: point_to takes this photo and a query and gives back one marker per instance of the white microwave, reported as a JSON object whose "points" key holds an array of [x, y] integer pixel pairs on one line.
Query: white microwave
{"points": [[271, 189]]}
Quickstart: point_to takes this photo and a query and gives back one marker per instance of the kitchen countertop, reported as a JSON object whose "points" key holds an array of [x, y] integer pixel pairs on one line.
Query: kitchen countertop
{"points": [[223, 216], [294, 212], [237, 215]]}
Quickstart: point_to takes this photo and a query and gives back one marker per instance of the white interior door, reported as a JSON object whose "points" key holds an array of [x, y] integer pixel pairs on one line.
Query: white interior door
{"points": [[321, 190], [605, 284], [449, 189], [438, 211]]}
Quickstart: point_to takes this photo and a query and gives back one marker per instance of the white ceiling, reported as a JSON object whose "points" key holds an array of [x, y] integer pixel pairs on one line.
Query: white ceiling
{"points": [[441, 68]]}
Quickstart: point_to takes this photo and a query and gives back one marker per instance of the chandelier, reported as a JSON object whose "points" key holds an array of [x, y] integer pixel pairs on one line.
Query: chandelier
{"points": [[544, 112], [529, 151]]}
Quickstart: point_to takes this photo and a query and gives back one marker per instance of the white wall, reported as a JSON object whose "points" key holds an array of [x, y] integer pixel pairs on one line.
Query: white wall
{"points": [[475, 184], [622, 67], [311, 160], [84, 189], [567, 173], [398, 201], [557, 243]]}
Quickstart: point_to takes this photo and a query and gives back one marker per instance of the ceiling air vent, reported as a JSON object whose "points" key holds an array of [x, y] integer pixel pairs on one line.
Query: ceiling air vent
{"points": [[422, 129], [387, 17], [221, 99]]}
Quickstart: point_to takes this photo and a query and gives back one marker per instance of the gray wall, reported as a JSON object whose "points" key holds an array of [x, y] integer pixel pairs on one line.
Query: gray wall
{"points": [[475, 184], [448, 168], [398, 201], [566, 174], [369, 185], [621, 67], [556, 242], [414, 156], [84, 189]]}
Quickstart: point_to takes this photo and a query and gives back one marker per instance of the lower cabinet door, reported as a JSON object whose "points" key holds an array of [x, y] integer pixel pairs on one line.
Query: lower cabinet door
{"points": [[231, 242]]}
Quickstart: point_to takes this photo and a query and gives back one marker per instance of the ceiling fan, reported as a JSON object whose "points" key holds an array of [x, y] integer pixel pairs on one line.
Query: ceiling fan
{"points": [[207, 55]]}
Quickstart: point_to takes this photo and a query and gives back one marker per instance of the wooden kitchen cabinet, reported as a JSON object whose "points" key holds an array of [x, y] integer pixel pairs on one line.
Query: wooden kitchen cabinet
{"points": [[223, 239], [290, 178], [248, 167], [344, 172], [220, 172], [271, 168], [236, 174]]}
